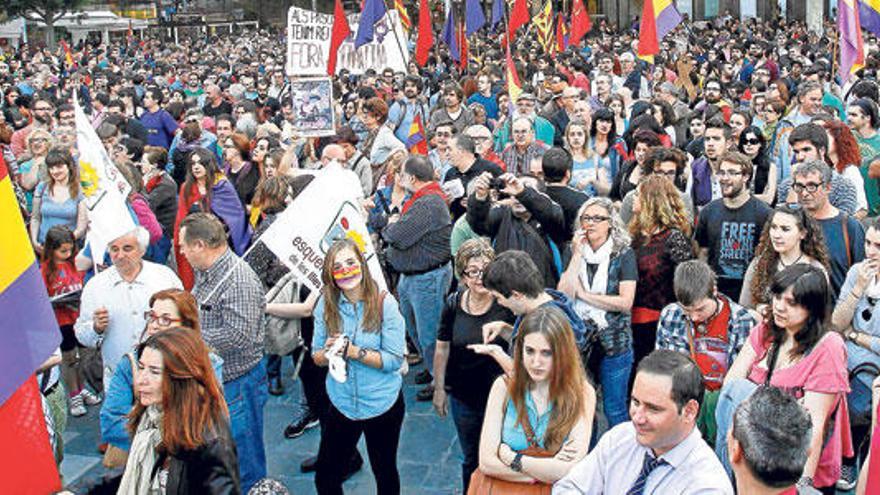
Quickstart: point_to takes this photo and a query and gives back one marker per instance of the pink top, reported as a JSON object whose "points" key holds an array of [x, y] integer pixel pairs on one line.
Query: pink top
{"points": [[822, 370], [146, 217]]}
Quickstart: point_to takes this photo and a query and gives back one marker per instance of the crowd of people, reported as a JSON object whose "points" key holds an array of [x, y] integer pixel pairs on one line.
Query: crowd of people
{"points": [[694, 241]]}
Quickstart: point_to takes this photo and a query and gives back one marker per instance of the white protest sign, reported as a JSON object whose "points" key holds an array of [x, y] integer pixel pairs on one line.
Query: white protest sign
{"points": [[308, 44], [328, 209]]}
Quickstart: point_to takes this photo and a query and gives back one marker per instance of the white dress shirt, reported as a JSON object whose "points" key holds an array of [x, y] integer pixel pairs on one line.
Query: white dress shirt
{"points": [[691, 468], [126, 304]]}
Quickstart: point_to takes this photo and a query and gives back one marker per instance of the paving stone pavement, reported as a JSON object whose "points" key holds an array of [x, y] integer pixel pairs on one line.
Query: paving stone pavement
{"points": [[429, 458]]}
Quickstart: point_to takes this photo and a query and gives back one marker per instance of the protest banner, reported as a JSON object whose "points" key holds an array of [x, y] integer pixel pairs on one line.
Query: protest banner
{"points": [[326, 210], [103, 187], [313, 106], [308, 45]]}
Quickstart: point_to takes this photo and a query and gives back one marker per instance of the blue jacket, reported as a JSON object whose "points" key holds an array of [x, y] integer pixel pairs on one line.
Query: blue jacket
{"points": [[367, 392], [119, 398], [562, 302]]}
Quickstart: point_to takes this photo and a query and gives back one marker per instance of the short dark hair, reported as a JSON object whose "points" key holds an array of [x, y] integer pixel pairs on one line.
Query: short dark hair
{"points": [[514, 271], [687, 380], [555, 163], [718, 123], [814, 133], [774, 432], [465, 143], [416, 80], [420, 168], [134, 147]]}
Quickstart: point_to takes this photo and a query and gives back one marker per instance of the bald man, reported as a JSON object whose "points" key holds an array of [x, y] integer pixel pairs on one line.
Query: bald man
{"points": [[215, 104], [567, 99]]}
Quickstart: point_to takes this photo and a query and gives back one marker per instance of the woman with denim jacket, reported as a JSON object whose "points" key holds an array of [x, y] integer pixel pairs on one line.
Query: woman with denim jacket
{"points": [[359, 333]]}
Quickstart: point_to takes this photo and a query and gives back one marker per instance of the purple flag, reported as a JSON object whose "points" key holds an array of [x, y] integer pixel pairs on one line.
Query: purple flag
{"points": [[448, 37], [373, 11], [869, 16], [497, 12], [474, 17]]}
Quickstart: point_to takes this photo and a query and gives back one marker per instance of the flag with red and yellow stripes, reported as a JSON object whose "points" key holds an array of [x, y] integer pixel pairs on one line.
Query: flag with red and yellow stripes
{"points": [[404, 17]]}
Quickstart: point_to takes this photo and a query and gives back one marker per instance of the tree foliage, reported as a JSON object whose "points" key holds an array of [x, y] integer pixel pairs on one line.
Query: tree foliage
{"points": [[48, 11]]}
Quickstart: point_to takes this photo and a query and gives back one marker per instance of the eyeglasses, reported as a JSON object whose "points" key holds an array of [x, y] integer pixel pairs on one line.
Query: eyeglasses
{"points": [[162, 320], [751, 141], [810, 187], [474, 272], [443, 134], [593, 219]]}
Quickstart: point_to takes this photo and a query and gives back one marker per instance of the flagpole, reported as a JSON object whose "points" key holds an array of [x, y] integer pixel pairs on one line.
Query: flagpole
{"points": [[403, 54]]}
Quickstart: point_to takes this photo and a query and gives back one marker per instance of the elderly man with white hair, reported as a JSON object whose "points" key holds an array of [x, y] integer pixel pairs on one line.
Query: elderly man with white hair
{"points": [[114, 302]]}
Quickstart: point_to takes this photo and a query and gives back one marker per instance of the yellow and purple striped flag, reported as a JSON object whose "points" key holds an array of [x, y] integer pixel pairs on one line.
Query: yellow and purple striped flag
{"points": [[869, 15]]}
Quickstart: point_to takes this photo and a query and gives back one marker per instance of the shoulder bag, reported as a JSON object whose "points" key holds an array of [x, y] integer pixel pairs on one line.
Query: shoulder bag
{"points": [[283, 334]]}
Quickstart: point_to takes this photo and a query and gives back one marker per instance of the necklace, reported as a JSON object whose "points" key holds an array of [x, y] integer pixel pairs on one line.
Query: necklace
{"points": [[795, 262], [470, 309]]}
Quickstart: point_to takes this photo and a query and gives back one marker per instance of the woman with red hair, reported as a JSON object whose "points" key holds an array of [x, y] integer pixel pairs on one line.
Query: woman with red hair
{"points": [[844, 156]]}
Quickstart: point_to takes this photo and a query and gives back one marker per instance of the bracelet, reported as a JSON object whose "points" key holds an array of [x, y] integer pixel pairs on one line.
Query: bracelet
{"points": [[516, 463], [805, 481]]}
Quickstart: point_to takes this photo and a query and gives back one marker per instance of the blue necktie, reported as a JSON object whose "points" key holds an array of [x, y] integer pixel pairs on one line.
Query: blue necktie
{"points": [[650, 464]]}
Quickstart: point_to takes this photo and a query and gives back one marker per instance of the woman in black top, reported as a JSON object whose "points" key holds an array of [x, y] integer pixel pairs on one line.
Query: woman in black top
{"points": [[631, 173], [753, 144], [464, 368]]}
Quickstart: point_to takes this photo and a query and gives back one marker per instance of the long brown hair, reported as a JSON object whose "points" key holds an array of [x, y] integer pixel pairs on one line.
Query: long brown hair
{"points": [[193, 407], [60, 155], [186, 306], [567, 378], [372, 321], [767, 259], [661, 208], [208, 160]]}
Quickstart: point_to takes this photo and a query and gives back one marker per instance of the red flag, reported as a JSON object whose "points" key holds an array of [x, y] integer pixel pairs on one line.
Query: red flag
{"points": [[518, 17], [462, 47], [341, 30], [426, 35], [648, 42], [561, 33], [26, 455], [580, 22]]}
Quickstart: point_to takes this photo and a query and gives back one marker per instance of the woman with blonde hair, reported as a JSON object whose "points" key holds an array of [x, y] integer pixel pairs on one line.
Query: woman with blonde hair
{"points": [[33, 170], [539, 419], [660, 231]]}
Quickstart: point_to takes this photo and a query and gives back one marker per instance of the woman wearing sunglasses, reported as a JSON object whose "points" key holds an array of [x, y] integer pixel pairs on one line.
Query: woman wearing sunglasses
{"points": [[169, 308], [753, 144]]}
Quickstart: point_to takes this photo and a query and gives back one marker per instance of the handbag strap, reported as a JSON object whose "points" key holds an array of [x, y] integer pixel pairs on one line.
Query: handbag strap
{"points": [[134, 374]]}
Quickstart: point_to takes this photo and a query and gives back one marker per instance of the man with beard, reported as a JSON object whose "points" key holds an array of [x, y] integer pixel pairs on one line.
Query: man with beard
{"points": [[704, 185], [712, 95], [602, 84], [402, 112], [452, 110], [729, 228], [41, 109]]}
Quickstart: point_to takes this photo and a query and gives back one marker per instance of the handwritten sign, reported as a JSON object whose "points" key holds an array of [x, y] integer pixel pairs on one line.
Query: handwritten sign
{"points": [[308, 45]]}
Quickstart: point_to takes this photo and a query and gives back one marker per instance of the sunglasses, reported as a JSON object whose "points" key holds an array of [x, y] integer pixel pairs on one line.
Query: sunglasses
{"points": [[752, 141], [867, 312]]}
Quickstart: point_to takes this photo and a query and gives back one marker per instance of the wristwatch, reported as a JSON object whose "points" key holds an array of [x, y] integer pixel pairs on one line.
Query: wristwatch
{"points": [[516, 463], [805, 481], [362, 353], [852, 335]]}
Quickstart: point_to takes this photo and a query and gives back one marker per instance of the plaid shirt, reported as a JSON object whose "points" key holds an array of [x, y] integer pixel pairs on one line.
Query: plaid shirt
{"points": [[672, 329], [518, 163], [232, 317]]}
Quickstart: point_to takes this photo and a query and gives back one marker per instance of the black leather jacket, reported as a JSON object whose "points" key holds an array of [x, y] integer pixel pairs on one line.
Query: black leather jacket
{"points": [[211, 469]]}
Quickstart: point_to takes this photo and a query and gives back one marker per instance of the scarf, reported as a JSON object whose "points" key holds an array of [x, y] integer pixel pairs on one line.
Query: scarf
{"points": [[138, 479], [431, 188], [602, 258]]}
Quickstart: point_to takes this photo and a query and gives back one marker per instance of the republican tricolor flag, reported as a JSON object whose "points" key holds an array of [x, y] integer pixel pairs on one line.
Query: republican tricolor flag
{"points": [[852, 51], [659, 17], [30, 335], [416, 142]]}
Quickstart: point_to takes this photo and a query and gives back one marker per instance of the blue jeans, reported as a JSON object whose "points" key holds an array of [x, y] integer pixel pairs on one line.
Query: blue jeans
{"points": [[614, 374], [468, 423], [421, 304], [732, 394], [246, 396], [858, 399]]}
